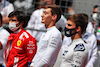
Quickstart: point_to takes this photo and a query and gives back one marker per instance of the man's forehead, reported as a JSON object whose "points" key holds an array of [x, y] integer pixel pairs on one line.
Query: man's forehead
{"points": [[47, 9]]}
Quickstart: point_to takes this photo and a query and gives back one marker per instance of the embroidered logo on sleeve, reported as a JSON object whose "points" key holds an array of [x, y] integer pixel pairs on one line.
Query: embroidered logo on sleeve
{"points": [[18, 42], [79, 47]]}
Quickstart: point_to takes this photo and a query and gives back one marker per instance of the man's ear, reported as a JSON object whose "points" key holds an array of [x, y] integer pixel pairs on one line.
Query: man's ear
{"points": [[78, 28], [54, 17]]}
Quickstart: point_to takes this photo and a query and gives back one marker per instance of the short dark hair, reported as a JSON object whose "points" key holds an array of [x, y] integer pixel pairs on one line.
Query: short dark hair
{"points": [[55, 10], [79, 20], [20, 15], [1, 18], [86, 17], [95, 6]]}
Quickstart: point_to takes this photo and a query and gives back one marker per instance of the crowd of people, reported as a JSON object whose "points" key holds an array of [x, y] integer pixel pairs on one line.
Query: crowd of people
{"points": [[31, 48]]}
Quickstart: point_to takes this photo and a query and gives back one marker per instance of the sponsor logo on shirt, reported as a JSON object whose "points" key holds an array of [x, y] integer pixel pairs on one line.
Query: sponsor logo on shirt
{"points": [[79, 47], [18, 42]]}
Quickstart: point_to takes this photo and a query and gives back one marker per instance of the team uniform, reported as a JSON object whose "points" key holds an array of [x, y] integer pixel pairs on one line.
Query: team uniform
{"points": [[91, 28], [76, 55], [35, 23], [90, 40], [48, 48], [6, 7], [4, 34], [20, 49]]}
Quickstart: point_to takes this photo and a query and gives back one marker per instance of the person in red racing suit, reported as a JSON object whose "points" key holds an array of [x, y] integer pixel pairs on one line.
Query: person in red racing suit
{"points": [[21, 46]]}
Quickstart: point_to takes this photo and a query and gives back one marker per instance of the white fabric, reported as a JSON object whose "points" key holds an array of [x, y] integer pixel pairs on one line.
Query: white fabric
{"points": [[90, 39], [98, 35], [6, 7], [74, 56], [48, 48], [35, 23], [92, 46], [90, 27], [3, 39]]}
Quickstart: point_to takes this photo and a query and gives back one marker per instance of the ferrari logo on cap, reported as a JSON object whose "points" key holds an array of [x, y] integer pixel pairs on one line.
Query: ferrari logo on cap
{"points": [[18, 42]]}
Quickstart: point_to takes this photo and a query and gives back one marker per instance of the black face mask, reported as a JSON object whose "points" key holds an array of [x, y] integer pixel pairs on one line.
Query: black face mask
{"points": [[68, 32]]}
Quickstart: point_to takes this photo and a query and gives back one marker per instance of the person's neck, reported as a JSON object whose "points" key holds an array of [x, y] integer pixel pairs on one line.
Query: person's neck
{"points": [[17, 31], [50, 25], [76, 36]]}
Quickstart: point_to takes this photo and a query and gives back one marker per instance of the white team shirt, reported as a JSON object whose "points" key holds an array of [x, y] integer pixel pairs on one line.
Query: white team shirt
{"points": [[91, 42], [76, 55], [6, 7], [35, 23], [48, 48], [3, 38]]}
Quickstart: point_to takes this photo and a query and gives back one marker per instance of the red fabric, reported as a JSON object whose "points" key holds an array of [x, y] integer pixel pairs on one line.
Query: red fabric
{"points": [[23, 49]]}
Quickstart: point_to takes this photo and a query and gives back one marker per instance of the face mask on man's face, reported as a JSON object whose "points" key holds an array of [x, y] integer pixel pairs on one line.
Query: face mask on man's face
{"points": [[13, 27], [68, 32], [94, 16]]}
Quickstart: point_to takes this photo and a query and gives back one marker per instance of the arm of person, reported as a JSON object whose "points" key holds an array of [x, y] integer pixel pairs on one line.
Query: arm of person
{"points": [[54, 46], [31, 48], [80, 56], [3, 39], [93, 56]]}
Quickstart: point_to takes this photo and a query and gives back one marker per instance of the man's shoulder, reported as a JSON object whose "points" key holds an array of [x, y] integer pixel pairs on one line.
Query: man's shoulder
{"points": [[55, 31], [4, 31], [26, 35], [90, 35]]}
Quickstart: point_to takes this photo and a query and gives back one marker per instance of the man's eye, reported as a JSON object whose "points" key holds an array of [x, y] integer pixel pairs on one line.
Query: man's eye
{"points": [[69, 24], [14, 20]]}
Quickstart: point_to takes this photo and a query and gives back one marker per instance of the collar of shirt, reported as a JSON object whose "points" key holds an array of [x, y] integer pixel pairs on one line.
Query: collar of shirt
{"points": [[85, 34], [48, 29], [13, 35], [76, 40], [17, 31]]}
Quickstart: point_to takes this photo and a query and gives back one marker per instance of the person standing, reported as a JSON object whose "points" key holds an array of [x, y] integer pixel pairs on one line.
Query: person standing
{"points": [[21, 46], [76, 54], [91, 42], [51, 41], [3, 40]]}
